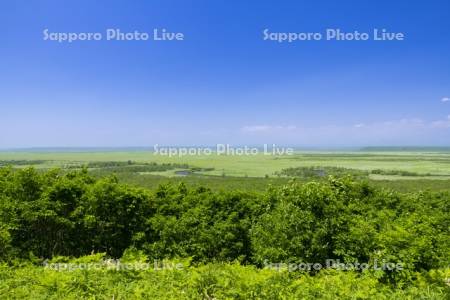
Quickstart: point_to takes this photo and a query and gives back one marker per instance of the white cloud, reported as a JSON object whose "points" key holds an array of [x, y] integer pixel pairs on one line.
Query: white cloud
{"points": [[441, 123], [384, 132], [445, 99]]}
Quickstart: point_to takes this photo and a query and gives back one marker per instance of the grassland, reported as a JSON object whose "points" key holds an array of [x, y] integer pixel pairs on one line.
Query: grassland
{"points": [[431, 169]]}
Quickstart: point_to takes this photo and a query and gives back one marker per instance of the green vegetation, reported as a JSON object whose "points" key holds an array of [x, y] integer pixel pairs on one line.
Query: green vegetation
{"points": [[22, 162], [211, 281], [320, 172], [117, 164], [132, 167], [433, 163], [216, 183], [237, 225], [400, 170], [397, 172], [228, 240]]}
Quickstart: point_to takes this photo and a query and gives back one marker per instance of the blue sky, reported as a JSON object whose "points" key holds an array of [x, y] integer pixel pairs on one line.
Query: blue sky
{"points": [[223, 83]]}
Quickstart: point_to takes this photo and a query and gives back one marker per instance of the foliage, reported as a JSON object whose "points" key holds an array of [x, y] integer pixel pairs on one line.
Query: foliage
{"points": [[397, 172], [211, 281], [319, 172], [47, 215]]}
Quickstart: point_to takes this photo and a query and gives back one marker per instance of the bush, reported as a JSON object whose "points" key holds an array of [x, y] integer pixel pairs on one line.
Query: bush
{"points": [[51, 214]]}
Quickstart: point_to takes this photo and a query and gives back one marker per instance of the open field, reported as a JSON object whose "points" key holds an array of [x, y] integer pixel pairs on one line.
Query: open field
{"points": [[433, 163], [400, 170]]}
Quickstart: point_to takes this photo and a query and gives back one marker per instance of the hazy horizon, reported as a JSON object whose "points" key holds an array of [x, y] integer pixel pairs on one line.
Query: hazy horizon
{"points": [[295, 148]]}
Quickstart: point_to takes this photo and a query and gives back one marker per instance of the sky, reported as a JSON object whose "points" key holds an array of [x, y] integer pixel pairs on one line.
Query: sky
{"points": [[223, 83]]}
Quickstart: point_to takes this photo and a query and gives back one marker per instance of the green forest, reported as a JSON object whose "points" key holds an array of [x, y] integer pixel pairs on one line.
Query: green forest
{"points": [[67, 233]]}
